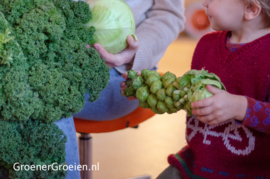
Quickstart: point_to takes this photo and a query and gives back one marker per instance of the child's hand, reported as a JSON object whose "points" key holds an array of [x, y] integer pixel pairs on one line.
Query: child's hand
{"points": [[123, 86], [220, 107], [124, 57]]}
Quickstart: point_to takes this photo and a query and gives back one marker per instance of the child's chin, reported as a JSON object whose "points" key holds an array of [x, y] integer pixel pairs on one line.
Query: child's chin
{"points": [[215, 28]]}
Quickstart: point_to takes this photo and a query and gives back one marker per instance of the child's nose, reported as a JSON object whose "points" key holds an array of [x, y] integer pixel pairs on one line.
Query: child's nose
{"points": [[205, 3]]}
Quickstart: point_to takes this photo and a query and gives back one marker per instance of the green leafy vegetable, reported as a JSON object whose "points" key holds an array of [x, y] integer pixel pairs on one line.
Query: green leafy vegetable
{"points": [[31, 143], [169, 93], [45, 66], [113, 21], [45, 72]]}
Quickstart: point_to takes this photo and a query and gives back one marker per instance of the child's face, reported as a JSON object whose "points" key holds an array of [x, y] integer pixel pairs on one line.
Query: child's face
{"points": [[225, 14]]}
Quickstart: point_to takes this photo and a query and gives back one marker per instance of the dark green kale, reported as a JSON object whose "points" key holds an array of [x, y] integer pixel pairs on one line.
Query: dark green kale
{"points": [[31, 143], [45, 71], [46, 64]]}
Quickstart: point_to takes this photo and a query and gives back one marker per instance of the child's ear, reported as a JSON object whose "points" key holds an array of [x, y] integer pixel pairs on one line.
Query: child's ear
{"points": [[252, 10]]}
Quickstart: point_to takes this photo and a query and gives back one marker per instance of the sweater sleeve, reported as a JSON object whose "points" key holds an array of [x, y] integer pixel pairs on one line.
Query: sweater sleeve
{"points": [[164, 21], [258, 115]]}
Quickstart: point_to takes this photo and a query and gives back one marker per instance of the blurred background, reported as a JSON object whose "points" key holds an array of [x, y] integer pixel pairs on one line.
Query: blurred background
{"points": [[134, 152]]}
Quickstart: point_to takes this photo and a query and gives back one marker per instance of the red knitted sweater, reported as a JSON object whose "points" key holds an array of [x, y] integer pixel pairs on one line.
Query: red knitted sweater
{"points": [[231, 150]]}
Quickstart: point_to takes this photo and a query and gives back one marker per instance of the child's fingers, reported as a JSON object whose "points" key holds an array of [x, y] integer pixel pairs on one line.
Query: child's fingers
{"points": [[206, 119], [202, 103], [213, 89], [213, 122], [202, 111]]}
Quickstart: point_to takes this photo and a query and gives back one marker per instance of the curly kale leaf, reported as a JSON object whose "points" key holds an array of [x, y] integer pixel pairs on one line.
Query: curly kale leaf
{"points": [[17, 100], [31, 143], [46, 65], [45, 71]]}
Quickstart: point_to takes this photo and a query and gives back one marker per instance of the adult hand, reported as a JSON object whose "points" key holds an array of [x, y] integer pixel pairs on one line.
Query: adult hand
{"points": [[124, 57], [220, 107], [123, 86]]}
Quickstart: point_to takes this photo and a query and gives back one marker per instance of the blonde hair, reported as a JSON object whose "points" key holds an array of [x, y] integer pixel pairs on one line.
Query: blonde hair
{"points": [[265, 4]]}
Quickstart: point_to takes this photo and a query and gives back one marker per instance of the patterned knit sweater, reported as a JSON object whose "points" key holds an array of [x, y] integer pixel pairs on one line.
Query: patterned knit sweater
{"points": [[231, 149]]}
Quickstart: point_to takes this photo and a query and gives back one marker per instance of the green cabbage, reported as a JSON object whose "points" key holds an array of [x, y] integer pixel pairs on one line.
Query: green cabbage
{"points": [[113, 21]]}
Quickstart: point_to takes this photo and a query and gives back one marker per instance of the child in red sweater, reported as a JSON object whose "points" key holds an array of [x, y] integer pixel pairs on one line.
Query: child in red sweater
{"points": [[228, 133]]}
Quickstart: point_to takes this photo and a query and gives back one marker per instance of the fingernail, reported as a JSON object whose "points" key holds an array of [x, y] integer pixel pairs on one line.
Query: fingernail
{"points": [[135, 38]]}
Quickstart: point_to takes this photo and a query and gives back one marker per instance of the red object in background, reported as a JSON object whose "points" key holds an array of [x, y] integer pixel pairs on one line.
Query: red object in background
{"points": [[133, 119], [197, 22], [200, 20]]}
